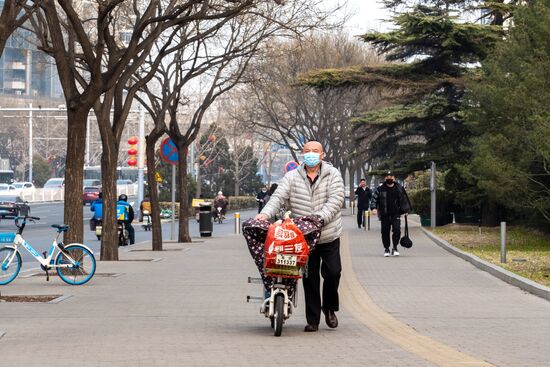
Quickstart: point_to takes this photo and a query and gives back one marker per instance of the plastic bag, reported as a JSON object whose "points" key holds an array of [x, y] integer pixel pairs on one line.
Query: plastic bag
{"points": [[286, 250]]}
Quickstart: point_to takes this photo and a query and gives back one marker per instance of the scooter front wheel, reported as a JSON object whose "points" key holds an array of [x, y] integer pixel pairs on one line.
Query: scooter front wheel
{"points": [[279, 315]]}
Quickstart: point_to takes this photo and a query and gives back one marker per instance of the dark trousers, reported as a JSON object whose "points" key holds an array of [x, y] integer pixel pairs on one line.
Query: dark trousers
{"points": [[131, 233], [260, 206], [326, 258], [391, 223], [361, 217]]}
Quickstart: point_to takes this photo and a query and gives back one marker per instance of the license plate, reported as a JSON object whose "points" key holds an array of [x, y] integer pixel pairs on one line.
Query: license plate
{"points": [[98, 231], [288, 260]]}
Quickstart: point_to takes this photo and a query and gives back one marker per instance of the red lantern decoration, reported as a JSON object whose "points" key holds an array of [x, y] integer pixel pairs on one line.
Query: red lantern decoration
{"points": [[132, 151]]}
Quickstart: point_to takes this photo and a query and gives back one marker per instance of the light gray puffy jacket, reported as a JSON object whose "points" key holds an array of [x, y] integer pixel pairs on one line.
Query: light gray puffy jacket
{"points": [[325, 198]]}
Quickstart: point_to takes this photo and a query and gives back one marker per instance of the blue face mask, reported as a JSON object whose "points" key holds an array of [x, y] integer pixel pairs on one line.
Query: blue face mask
{"points": [[311, 159]]}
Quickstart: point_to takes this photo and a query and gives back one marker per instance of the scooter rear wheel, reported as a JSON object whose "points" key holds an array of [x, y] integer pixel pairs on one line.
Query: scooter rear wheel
{"points": [[279, 314]]}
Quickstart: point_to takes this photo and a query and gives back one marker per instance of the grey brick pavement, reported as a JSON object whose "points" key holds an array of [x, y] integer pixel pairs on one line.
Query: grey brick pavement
{"points": [[189, 309], [450, 300]]}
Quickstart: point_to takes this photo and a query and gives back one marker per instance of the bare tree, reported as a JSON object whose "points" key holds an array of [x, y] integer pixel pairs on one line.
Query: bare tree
{"points": [[97, 49], [13, 16], [238, 42], [281, 111]]}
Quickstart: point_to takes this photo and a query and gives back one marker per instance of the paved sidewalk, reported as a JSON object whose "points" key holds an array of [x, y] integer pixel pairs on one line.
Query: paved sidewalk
{"points": [[451, 301], [188, 309]]}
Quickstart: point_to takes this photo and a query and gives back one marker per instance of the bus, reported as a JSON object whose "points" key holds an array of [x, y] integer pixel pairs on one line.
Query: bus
{"points": [[123, 173], [6, 176]]}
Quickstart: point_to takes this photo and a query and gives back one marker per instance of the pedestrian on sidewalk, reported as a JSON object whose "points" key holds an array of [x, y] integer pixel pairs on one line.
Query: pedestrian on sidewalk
{"points": [[363, 201], [315, 188], [270, 192], [260, 198], [389, 202]]}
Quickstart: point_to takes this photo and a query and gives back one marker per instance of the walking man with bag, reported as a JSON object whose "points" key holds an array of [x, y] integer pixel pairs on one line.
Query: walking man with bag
{"points": [[315, 188], [389, 202], [363, 201]]}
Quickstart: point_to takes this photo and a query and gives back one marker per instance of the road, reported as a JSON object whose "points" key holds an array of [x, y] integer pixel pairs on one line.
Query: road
{"points": [[40, 234]]}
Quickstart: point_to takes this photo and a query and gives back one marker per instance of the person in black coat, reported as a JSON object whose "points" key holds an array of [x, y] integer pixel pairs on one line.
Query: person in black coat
{"points": [[260, 198], [389, 202], [363, 194]]}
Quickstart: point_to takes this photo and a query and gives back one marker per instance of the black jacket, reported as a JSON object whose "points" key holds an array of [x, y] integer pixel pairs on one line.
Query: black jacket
{"points": [[379, 200], [363, 197]]}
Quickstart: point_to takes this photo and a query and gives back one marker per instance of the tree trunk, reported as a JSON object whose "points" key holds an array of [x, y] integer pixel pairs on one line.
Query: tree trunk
{"points": [[237, 174], [153, 191], [183, 230], [269, 168], [199, 184], [489, 214], [351, 185], [74, 175], [109, 237]]}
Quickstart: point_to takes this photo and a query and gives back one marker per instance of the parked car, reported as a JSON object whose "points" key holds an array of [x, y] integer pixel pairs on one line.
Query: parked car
{"points": [[55, 183], [24, 188], [7, 189], [92, 182], [90, 194], [12, 206]]}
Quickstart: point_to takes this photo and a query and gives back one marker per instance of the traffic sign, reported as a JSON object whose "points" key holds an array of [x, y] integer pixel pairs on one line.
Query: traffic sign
{"points": [[169, 152], [290, 166], [158, 177]]}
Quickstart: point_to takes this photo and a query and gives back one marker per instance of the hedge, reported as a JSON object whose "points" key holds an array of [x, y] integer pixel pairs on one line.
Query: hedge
{"points": [[421, 202], [235, 203]]}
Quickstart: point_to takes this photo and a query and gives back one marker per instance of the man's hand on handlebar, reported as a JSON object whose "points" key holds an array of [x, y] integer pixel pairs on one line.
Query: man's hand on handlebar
{"points": [[261, 217]]}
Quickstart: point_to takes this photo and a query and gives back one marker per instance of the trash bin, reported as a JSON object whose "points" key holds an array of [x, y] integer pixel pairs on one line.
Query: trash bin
{"points": [[205, 220]]}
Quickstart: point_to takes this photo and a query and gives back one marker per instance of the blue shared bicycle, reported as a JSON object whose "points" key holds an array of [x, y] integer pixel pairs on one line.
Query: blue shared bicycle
{"points": [[75, 263]]}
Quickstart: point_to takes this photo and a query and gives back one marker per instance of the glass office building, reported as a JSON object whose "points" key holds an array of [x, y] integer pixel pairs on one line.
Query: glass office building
{"points": [[27, 71]]}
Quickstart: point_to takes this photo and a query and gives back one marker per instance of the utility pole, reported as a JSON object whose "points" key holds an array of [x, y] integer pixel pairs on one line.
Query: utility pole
{"points": [[141, 155], [433, 189], [30, 142], [87, 141]]}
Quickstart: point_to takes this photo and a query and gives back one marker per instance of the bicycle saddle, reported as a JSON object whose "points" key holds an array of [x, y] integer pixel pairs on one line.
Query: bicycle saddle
{"points": [[61, 227]]}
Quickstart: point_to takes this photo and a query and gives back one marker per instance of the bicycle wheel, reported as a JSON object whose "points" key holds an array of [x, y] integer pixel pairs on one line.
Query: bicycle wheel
{"points": [[8, 272], [78, 273], [279, 314]]}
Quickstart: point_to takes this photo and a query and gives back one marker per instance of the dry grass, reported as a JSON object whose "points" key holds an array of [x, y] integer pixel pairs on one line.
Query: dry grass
{"points": [[528, 251]]}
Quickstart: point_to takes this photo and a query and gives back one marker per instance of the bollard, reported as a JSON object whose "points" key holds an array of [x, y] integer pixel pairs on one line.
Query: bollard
{"points": [[368, 222], [237, 223], [352, 205], [503, 242]]}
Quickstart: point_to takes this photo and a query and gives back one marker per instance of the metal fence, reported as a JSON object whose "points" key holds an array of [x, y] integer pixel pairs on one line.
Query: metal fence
{"points": [[58, 194]]}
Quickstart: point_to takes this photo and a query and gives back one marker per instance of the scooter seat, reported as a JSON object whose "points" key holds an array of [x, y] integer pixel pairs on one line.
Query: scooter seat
{"points": [[61, 227]]}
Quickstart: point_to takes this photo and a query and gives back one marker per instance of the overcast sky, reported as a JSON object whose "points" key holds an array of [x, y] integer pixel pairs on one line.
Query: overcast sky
{"points": [[366, 15]]}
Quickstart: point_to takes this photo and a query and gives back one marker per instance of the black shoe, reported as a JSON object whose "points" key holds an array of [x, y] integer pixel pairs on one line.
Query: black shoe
{"points": [[331, 319], [311, 328]]}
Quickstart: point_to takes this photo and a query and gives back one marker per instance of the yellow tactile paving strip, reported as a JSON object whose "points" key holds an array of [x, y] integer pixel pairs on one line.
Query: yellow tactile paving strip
{"points": [[357, 301]]}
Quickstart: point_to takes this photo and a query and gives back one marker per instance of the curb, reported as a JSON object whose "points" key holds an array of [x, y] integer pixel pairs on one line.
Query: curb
{"points": [[502, 274]]}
